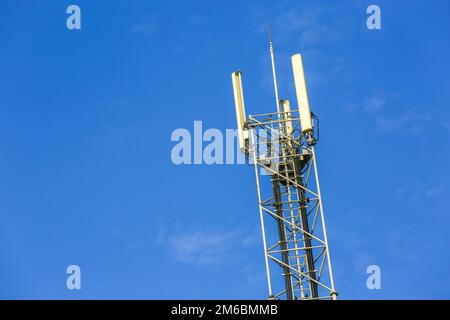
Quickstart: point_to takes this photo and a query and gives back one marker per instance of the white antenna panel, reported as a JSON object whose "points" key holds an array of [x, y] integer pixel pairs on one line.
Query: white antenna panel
{"points": [[240, 107], [286, 105], [302, 94]]}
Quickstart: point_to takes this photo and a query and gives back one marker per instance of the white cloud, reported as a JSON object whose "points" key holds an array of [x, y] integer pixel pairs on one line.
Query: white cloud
{"points": [[380, 106], [206, 246], [309, 29], [375, 103], [309, 24], [434, 191], [445, 124], [387, 124], [411, 122], [415, 191], [200, 248], [146, 27]]}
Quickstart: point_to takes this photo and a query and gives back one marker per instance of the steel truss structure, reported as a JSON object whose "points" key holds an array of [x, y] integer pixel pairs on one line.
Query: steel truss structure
{"points": [[294, 234]]}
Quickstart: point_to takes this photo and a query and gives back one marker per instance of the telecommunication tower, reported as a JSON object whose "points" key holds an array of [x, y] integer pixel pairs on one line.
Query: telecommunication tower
{"points": [[281, 146]]}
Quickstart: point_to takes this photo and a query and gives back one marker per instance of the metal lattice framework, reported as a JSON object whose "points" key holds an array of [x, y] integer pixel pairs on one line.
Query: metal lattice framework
{"points": [[295, 241]]}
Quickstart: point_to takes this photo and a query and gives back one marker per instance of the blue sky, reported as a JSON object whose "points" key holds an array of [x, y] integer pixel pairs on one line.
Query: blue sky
{"points": [[86, 118]]}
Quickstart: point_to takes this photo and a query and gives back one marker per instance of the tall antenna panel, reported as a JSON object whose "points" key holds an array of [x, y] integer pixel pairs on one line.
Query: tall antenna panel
{"points": [[285, 104], [302, 94], [240, 107]]}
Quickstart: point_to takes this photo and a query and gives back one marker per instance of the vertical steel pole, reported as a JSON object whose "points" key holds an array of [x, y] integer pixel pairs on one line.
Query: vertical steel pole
{"points": [[325, 238], [261, 216]]}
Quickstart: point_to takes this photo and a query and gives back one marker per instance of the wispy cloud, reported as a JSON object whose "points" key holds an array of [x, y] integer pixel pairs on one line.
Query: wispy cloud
{"points": [[205, 247], [417, 191], [308, 24], [147, 27], [196, 20], [311, 29], [127, 237], [375, 103], [445, 124], [201, 247], [411, 122], [388, 115]]}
